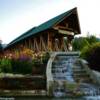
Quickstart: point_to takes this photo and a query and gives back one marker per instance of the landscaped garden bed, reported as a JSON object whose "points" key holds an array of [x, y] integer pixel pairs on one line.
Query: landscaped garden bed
{"points": [[25, 62], [23, 71]]}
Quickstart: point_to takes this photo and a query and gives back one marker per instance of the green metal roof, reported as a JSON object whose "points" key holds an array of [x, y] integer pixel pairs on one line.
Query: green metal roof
{"points": [[47, 25]]}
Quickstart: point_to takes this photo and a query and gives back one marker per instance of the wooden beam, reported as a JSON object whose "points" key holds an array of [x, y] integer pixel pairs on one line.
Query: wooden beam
{"points": [[59, 27], [50, 41], [61, 43], [30, 44], [36, 47], [56, 44], [34, 44], [65, 32], [65, 45], [43, 44], [65, 28], [40, 44], [26, 44]]}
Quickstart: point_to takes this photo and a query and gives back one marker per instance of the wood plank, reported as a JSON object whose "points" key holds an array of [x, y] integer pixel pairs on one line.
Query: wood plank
{"points": [[65, 32], [64, 28]]}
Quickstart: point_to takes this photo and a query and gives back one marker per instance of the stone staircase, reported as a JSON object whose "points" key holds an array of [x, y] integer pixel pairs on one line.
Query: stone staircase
{"points": [[77, 71], [68, 67], [62, 67]]}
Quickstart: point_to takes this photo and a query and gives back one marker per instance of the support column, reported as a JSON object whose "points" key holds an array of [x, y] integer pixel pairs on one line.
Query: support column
{"points": [[30, 44], [40, 44], [61, 43], [43, 44], [57, 45], [26, 44], [36, 47], [70, 43], [50, 41]]}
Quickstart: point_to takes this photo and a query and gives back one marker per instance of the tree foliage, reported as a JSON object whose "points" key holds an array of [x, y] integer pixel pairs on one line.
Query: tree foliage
{"points": [[92, 54], [80, 42], [90, 50]]}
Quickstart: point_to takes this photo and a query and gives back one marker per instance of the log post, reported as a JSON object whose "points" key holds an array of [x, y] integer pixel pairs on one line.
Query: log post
{"points": [[26, 45], [40, 44], [34, 44], [50, 41], [70, 43], [36, 47], [60, 43], [30, 44]]}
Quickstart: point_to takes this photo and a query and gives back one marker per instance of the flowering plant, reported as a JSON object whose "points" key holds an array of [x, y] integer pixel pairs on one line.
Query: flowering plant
{"points": [[26, 60]]}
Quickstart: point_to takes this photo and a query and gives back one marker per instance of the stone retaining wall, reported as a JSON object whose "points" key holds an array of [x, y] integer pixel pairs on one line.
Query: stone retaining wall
{"points": [[23, 83], [95, 76]]}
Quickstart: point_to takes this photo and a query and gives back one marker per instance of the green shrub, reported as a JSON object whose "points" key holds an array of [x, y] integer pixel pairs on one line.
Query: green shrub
{"points": [[92, 54], [40, 62], [45, 57], [36, 66], [24, 63], [5, 65], [23, 67]]}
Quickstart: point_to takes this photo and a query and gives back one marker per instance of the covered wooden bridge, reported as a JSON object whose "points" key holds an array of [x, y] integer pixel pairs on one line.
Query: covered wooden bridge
{"points": [[53, 35]]}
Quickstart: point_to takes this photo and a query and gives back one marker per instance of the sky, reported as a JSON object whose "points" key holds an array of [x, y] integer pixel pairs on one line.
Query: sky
{"points": [[18, 16]]}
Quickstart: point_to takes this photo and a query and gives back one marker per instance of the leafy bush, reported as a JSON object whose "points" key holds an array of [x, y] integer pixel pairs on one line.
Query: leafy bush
{"points": [[92, 54], [39, 63], [5, 65], [23, 67], [24, 62], [45, 57]]}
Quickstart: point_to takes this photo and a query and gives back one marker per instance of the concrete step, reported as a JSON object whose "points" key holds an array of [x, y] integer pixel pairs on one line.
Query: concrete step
{"points": [[78, 67], [81, 75], [79, 71], [87, 80], [58, 62], [77, 63], [66, 57]]}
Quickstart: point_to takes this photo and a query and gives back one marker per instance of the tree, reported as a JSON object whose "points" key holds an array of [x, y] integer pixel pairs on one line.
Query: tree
{"points": [[80, 42], [91, 53], [91, 39]]}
